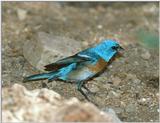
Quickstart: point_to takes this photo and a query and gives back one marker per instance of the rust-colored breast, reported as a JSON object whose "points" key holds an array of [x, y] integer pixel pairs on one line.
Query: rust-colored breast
{"points": [[99, 66]]}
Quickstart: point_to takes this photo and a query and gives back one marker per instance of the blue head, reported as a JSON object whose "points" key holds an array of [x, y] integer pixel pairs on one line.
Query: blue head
{"points": [[107, 49]]}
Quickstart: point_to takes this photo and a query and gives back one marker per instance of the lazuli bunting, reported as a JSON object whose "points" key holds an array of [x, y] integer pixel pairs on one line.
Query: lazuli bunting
{"points": [[82, 66]]}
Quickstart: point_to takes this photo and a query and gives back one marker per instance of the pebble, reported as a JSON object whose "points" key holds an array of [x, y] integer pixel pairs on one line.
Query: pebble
{"points": [[144, 101], [146, 55], [99, 26], [53, 83], [136, 63], [21, 14], [107, 86], [116, 81], [123, 104], [85, 43], [118, 110], [113, 113], [157, 95], [110, 66], [133, 78], [94, 88], [137, 81], [113, 94]]}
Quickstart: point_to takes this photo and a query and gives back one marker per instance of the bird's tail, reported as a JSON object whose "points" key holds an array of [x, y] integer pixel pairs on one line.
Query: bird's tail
{"points": [[39, 76]]}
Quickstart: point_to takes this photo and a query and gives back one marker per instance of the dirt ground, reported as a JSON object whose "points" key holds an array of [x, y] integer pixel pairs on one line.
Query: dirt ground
{"points": [[129, 85]]}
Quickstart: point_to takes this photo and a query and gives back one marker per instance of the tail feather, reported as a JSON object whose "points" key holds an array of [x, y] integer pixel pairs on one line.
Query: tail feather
{"points": [[36, 77]]}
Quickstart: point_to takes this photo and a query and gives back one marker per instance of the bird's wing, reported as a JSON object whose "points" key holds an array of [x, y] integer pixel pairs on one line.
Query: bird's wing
{"points": [[77, 58]]}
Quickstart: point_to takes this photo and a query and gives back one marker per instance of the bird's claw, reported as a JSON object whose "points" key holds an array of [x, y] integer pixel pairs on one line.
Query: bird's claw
{"points": [[91, 93]]}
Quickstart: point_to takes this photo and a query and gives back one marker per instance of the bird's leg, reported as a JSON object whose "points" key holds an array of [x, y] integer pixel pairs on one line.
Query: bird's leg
{"points": [[80, 84], [44, 85], [89, 91], [79, 88]]}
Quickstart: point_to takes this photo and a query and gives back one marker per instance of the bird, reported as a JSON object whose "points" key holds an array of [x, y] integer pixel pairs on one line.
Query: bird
{"points": [[80, 67]]}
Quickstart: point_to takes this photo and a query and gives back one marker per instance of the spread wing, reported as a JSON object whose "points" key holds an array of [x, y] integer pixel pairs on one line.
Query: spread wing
{"points": [[77, 58]]}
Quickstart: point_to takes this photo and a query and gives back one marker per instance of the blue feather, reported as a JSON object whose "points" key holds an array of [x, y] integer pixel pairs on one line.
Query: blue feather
{"points": [[36, 77]]}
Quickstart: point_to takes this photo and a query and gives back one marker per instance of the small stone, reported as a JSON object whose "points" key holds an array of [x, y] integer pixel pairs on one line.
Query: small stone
{"points": [[107, 86], [133, 78], [146, 55], [94, 88], [116, 81], [113, 94], [113, 113], [137, 81], [144, 101], [85, 43], [123, 104], [99, 26], [110, 66], [21, 14], [118, 110], [136, 63], [158, 96]]}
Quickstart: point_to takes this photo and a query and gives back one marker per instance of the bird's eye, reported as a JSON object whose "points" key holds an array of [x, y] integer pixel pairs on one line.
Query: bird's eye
{"points": [[114, 48]]}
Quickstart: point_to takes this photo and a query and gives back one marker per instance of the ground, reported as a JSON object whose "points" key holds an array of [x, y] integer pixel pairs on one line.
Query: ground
{"points": [[130, 83]]}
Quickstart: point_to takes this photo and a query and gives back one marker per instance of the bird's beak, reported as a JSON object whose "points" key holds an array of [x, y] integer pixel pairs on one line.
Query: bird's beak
{"points": [[121, 48], [120, 51]]}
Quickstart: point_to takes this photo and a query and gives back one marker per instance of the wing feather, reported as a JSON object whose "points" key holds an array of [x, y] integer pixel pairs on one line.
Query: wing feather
{"points": [[66, 61]]}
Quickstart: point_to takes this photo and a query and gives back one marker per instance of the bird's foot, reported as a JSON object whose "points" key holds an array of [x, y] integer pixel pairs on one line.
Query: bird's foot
{"points": [[91, 93], [44, 85], [88, 91]]}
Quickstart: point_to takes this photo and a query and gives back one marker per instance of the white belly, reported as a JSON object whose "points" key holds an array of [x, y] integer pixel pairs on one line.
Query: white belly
{"points": [[80, 74]]}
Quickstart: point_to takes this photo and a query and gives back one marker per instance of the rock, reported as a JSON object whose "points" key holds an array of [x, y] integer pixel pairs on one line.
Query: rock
{"points": [[99, 26], [133, 78], [112, 112], [93, 88], [116, 81], [21, 14], [146, 55], [136, 63], [144, 101], [113, 94], [43, 105], [107, 86], [118, 110], [48, 49], [8, 116], [85, 43], [137, 81]]}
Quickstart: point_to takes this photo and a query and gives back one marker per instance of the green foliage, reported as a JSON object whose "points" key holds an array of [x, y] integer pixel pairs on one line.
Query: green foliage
{"points": [[149, 39]]}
